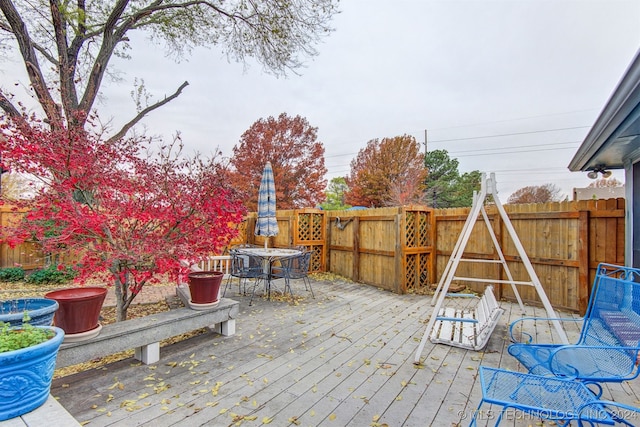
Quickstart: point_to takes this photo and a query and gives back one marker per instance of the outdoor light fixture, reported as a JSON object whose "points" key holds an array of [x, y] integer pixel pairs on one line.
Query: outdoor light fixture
{"points": [[593, 174]]}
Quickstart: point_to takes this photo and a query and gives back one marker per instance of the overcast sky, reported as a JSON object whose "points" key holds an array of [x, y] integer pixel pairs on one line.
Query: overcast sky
{"points": [[509, 86]]}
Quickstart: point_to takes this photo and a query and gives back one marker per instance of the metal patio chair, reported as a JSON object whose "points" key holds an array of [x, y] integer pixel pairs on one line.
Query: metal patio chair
{"points": [[243, 268], [292, 268], [609, 344]]}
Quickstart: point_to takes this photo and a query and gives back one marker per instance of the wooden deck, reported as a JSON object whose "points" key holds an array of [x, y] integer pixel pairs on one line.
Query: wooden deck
{"points": [[344, 358]]}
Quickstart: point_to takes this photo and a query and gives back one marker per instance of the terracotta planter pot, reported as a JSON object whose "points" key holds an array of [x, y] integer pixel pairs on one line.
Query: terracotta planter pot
{"points": [[79, 309], [25, 376], [204, 286], [41, 311]]}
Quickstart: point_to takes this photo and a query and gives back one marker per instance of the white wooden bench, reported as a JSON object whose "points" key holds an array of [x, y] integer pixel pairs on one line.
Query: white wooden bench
{"points": [[468, 328], [145, 333]]}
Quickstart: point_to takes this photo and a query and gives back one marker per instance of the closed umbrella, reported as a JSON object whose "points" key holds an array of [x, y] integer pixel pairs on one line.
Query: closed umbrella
{"points": [[266, 225]]}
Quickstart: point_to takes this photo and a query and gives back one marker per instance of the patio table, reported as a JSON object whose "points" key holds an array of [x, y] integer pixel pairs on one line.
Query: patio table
{"points": [[269, 257]]}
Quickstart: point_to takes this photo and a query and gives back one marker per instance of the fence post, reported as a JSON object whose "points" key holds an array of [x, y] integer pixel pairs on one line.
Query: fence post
{"points": [[401, 274], [293, 229], [498, 230], [433, 264], [583, 261], [327, 243], [356, 249]]}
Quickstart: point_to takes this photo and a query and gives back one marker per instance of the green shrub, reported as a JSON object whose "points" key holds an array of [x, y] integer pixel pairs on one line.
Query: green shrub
{"points": [[11, 274], [51, 275]]}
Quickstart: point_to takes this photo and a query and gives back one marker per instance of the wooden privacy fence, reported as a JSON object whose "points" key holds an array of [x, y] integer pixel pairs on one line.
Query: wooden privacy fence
{"points": [[28, 255], [388, 247], [564, 241], [391, 248], [300, 227], [405, 249]]}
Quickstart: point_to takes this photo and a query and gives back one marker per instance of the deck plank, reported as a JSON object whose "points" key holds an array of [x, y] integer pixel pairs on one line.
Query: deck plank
{"points": [[343, 358]]}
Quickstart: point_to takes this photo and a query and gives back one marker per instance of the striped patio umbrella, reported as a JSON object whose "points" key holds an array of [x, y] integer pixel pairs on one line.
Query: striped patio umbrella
{"points": [[266, 225]]}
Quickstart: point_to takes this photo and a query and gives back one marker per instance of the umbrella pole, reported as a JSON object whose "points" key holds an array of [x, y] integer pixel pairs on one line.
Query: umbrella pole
{"points": [[266, 240]]}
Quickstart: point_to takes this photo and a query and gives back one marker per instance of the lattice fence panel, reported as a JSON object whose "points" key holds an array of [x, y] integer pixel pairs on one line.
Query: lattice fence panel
{"points": [[304, 227], [310, 233], [410, 271], [417, 272], [425, 264], [316, 259], [417, 229], [310, 226], [410, 230], [424, 228], [317, 227], [315, 263]]}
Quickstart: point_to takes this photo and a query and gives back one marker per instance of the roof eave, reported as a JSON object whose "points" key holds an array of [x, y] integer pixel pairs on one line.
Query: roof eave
{"points": [[623, 101]]}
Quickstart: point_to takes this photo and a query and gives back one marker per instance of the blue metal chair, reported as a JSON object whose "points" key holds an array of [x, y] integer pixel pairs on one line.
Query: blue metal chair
{"points": [[292, 268], [609, 343], [243, 268]]}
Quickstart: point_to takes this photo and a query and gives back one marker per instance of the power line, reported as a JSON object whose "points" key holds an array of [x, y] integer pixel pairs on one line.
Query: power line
{"points": [[516, 119], [517, 151], [509, 134], [492, 151], [518, 146], [491, 136]]}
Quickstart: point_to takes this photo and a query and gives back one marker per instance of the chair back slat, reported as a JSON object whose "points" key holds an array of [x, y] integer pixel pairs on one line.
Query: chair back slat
{"points": [[609, 345], [245, 265], [612, 316]]}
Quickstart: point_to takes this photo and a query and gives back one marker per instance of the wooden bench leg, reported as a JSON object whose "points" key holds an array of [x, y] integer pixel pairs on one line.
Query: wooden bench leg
{"points": [[149, 353], [226, 328]]}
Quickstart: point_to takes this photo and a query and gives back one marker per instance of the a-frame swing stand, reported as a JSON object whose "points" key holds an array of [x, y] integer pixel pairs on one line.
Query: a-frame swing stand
{"points": [[471, 328]]}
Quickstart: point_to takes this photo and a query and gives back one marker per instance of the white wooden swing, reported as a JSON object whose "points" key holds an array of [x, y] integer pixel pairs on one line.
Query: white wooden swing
{"points": [[467, 326]]}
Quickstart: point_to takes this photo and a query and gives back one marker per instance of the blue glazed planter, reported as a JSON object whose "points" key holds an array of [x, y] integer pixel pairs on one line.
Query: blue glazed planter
{"points": [[26, 374], [41, 311]]}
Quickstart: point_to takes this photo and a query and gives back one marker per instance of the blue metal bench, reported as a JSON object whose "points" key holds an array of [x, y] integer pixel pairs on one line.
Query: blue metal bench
{"points": [[609, 343], [550, 398]]}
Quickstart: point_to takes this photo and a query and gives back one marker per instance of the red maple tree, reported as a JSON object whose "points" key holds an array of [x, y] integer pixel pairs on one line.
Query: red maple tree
{"points": [[297, 158], [126, 212]]}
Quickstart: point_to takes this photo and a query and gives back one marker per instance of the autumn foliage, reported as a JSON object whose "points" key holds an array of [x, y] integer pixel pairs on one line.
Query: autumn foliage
{"points": [[387, 172], [297, 158], [535, 194], [127, 213]]}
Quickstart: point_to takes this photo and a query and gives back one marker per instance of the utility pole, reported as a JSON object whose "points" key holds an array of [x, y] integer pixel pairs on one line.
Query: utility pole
{"points": [[425, 142]]}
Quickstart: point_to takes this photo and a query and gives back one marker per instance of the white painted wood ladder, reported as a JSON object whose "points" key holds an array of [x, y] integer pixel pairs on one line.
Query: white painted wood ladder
{"points": [[476, 338]]}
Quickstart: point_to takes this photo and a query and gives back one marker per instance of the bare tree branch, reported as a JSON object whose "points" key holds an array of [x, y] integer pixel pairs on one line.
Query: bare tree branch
{"points": [[36, 46], [66, 68], [141, 114], [10, 109], [34, 72], [109, 42], [80, 41]]}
